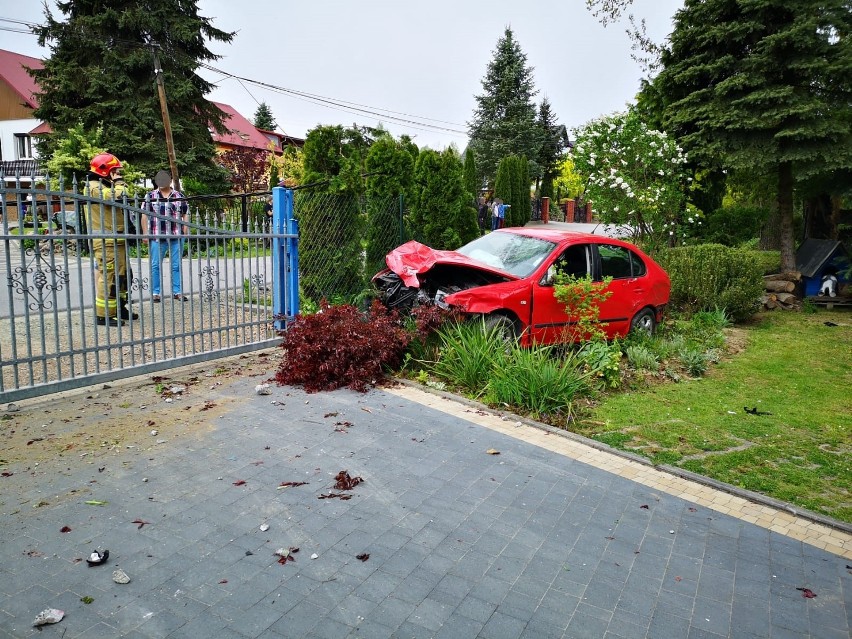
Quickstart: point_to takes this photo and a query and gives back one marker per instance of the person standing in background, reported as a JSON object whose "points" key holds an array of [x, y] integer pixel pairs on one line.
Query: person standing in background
{"points": [[164, 227]]}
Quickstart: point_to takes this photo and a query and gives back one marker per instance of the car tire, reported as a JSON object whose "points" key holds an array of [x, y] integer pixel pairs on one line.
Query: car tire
{"points": [[503, 326], [644, 322]]}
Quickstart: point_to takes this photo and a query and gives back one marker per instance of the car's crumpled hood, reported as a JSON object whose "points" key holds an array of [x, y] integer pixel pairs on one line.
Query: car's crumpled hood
{"points": [[414, 258]]}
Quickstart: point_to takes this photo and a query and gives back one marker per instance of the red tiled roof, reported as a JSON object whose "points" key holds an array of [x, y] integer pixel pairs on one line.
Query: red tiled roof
{"points": [[42, 129], [241, 132], [13, 72]]}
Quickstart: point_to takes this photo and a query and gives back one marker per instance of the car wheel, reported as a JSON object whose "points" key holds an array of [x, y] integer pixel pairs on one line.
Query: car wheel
{"points": [[644, 321], [503, 326]]}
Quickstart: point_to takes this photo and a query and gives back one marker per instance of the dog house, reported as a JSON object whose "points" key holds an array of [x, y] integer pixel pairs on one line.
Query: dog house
{"points": [[816, 258]]}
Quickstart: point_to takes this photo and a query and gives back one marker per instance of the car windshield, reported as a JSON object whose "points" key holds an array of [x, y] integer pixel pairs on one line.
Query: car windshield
{"points": [[515, 254]]}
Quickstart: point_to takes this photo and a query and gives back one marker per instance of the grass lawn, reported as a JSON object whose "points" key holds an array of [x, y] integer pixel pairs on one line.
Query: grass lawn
{"points": [[794, 367]]}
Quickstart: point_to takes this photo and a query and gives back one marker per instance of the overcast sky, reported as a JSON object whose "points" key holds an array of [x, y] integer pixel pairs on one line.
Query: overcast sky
{"points": [[421, 61]]}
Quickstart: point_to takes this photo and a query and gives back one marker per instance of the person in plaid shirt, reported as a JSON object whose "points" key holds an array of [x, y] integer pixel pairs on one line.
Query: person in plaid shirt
{"points": [[164, 229]]}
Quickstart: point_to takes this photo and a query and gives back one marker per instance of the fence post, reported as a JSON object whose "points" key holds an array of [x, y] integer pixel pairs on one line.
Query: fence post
{"points": [[545, 210], [244, 213], [285, 258]]}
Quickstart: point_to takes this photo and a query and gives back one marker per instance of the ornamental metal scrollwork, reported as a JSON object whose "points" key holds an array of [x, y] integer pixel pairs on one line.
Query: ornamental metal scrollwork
{"points": [[139, 284], [207, 274], [45, 280]]}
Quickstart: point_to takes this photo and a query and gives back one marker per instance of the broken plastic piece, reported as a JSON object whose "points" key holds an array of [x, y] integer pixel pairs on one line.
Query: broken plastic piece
{"points": [[263, 389], [51, 615], [264, 527], [97, 558]]}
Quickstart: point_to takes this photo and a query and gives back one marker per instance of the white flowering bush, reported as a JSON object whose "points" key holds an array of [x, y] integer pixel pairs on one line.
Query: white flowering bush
{"points": [[635, 176]]}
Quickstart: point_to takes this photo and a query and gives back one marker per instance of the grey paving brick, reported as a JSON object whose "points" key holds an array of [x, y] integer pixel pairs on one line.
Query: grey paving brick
{"points": [[501, 626]]}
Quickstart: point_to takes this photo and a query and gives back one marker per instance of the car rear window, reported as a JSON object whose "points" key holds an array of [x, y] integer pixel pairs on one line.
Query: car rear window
{"points": [[516, 254]]}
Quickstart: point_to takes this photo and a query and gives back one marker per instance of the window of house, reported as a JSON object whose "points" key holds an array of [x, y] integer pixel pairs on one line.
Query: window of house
{"points": [[23, 147]]}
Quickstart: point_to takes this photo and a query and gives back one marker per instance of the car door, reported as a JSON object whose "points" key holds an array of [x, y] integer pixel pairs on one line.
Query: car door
{"points": [[550, 323], [628, 287]]}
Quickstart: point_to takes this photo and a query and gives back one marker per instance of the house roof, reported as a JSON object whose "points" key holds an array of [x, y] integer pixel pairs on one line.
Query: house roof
{"points": [[14, 73], [813, 255], [240, 132]]}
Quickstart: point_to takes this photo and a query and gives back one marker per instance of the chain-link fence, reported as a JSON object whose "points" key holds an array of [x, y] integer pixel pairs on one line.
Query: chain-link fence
{"points": [[343, 240]]}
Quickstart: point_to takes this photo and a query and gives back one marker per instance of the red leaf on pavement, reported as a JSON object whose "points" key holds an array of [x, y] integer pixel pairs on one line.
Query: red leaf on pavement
{"points": [[141, 523], [692, 510], [340, 496], [257, 463], [290, 484], [7, 474], [223, 581], [240, 482], [807, 593], [363, 556], [65, 529], [645, 506], [678, 578]]}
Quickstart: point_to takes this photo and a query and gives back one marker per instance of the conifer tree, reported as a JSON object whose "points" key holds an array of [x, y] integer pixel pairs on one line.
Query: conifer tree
{"points": [[390, 169], [263, 118], [554, 141], [471, 179], [442, 212], [101, 73], [766, 86], [504, 122]]}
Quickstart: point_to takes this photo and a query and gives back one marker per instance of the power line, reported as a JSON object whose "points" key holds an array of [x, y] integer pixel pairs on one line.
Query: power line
{"points": [[397, 117], [351, 107]]}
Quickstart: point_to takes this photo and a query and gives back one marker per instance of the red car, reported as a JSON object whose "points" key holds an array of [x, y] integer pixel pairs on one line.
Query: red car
{"points": [[507, 276]]}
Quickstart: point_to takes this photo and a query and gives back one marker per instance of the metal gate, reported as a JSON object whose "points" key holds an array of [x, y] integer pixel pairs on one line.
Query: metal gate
{"points": [[239, 276]]}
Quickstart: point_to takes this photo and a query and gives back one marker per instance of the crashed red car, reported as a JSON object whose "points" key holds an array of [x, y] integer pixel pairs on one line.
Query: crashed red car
{"points": [[507, 277]]}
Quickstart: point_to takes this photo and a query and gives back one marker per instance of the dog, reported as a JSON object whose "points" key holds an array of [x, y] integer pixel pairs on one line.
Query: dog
{"points": [[829, 286]]}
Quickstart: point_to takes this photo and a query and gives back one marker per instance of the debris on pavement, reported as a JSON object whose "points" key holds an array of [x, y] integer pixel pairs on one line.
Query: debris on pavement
{"points": [[120, 577], [263, 389], [264, 527], [240, 482], [807, 593], [291, 484], [343, 481], [314, 556], [492, 451], [95, 502], [363, 556], [286, 554], [50, 615], [340, 496], [141, 523], [65, 529], [97, 558]]}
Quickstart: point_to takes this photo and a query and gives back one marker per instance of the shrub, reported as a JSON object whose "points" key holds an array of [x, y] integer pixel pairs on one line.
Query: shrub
{"points": [[601, 359], [694, 361], [468, 355], [711, 276], [341, 346], [536, 381], [642, 358], [733, 225]]}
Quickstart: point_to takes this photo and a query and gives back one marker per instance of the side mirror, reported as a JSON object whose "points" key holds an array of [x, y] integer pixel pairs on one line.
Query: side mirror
{"points": [[549, 276]]}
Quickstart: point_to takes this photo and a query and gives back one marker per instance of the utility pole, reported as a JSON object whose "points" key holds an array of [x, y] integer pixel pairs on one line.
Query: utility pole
{"points": [[167, 124]]}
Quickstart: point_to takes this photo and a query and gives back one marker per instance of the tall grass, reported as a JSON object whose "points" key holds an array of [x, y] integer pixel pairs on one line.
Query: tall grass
{"points": [[468, 354]]}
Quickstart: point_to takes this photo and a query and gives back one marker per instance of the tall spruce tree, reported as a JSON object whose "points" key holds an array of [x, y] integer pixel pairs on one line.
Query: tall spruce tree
{"points": [[504, 122], [554, 142], [763, 85], [263, 117], [100, 73]]}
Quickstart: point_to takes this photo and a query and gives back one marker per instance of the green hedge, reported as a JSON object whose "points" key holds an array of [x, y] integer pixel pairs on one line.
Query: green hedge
{"points": [[710, 276]]}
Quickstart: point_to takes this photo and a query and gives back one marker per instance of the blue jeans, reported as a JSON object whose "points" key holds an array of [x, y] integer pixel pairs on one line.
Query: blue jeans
{"points": [[157, 251]]}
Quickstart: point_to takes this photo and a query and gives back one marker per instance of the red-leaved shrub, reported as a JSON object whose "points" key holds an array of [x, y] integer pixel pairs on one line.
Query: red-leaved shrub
{"points": [[342, 346]]}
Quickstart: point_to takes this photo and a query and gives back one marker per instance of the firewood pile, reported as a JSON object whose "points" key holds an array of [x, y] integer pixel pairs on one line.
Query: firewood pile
{"points": [[780, 291]]}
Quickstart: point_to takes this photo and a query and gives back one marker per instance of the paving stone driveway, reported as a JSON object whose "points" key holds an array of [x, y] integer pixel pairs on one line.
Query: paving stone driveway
{"points": [[461, 543]]}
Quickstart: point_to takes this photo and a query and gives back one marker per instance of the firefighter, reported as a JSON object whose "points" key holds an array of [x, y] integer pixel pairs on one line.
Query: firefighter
{"points": [[107, 226]]}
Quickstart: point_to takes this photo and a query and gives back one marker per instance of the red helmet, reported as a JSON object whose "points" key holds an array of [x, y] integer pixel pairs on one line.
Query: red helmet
{"points": [[103, 163]]}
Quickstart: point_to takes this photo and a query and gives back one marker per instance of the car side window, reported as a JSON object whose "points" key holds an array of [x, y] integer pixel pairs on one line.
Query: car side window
{"points": [[574, 261], [637, 266], [616, 261]]}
